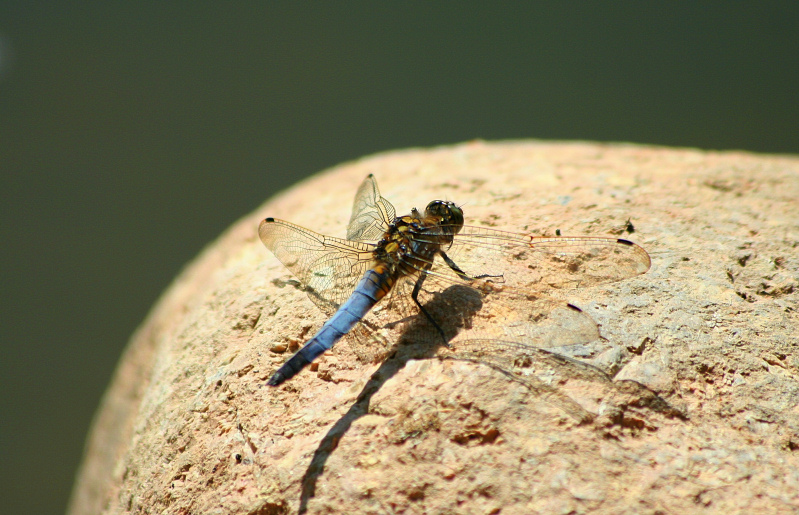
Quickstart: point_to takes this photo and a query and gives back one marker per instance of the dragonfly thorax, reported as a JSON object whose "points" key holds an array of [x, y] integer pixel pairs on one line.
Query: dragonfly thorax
{"points": [[412, 241]]}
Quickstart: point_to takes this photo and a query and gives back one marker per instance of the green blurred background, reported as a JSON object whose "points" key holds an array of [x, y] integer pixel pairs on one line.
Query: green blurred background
{"points": [[133, 134]]}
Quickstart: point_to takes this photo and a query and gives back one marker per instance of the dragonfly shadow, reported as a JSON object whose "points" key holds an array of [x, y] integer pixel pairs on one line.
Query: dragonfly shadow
{"points": [[453, 310]]}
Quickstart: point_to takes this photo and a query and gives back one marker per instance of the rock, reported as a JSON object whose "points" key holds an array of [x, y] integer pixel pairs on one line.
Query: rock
{"points": [[701, 415]]}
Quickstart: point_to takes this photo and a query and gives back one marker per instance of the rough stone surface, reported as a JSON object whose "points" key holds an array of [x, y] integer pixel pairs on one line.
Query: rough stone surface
{"points": [[702, 414]]}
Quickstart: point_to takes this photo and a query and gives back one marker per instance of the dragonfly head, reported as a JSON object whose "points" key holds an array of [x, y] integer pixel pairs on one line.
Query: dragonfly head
{"points": [[448, 214]]}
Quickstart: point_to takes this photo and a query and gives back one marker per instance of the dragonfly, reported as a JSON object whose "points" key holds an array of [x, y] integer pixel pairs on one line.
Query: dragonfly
{"points": [[393, 267]]}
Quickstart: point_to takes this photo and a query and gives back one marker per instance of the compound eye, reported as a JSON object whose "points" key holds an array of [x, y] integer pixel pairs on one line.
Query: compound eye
{"points": [[433, 208], [447, 212], [440, 208], [456, 215]]}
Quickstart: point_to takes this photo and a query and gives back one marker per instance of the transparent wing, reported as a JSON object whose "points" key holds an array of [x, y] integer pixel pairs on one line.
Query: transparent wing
{"points": [[512, 278], [328, 268], [371, 213], [542, 263]]}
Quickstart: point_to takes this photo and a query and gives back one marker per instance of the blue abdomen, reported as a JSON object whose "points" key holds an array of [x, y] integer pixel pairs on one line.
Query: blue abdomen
{"points": [[371, 288]]}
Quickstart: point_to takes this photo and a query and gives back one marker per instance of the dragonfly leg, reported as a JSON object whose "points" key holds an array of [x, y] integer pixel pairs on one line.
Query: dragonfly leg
{"points": [[415, 296], [463, 275]]}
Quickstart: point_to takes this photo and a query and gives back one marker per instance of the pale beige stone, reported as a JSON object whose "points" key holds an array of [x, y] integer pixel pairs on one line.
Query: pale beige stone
{"points": [[189, 426]]}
